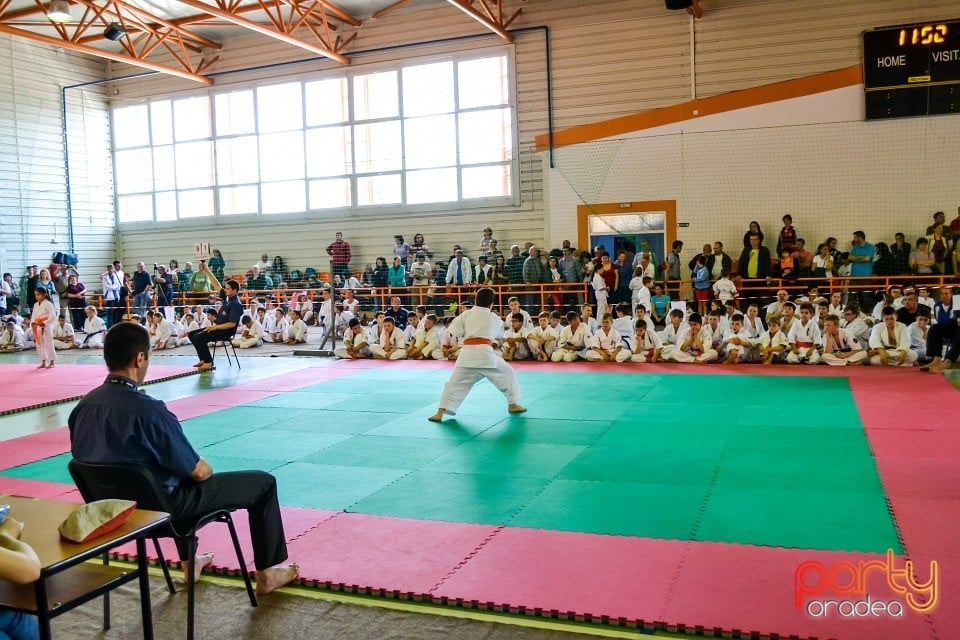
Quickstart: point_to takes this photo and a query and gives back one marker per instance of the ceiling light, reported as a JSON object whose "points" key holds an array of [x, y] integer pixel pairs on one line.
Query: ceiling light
{"points": [[59, 11], [114, 31]]}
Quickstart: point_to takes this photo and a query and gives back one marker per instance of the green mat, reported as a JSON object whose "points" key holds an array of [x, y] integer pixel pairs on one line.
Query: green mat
{"points": [[729, 458]]}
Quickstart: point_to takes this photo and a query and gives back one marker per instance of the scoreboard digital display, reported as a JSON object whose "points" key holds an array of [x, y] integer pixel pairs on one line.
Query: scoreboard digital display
{"points": [[912, 70]]}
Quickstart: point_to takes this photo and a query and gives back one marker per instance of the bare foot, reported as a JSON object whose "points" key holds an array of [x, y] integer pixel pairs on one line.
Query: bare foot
{"points": [[515, 408], [42, 365], [437, 417], [271, 579], [200, 562], [50, 366]]}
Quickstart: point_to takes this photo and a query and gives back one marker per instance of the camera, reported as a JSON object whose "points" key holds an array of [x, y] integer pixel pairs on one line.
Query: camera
{"points": [[155, 266]]}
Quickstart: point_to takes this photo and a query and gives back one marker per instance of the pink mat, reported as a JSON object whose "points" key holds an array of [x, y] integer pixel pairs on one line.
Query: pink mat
{"points": [[33, 447], [24, 386], [38, 489]]}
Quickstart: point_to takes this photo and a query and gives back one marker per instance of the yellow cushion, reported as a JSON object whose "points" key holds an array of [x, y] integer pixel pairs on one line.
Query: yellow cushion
{"points": [[95, 519]]}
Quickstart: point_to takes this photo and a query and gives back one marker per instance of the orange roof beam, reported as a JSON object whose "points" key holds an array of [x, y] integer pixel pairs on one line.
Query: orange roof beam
{"points": [[266, 31], [101, 53], [487, 18], [386, 10]]}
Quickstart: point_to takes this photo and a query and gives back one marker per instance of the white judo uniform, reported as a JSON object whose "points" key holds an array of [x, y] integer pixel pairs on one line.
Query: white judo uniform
{"points": [[521, 350], [478, 361], [395, 341], [297, 331], [426, 342], [94, 328], [644, 350], [895, 342], [44, 312], [846, 343], [249, 337], [570, 338], [691, 353], [12, 338], [63, 336], [608, 342], [542, 340], [354, 341], [805, 338]]}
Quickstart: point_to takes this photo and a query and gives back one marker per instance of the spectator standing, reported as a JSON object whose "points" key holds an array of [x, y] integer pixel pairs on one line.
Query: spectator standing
{"points": [[755, 259], [397, 274], [718, 261], [111, 295], [861, 258], [6, 293], [217, 264], [30, 285], [939, 244], [922, 261], [459, 272], [514, 265], [401, 250], [420, 245], [572, 271], [787, 240], [900, 250], [76, 300], [44, 280], [533, 275], [13, 298], [141, 291], [339, 252], [753, 229], [485, 236], [625, 267], [420, 270], [673, 263]]}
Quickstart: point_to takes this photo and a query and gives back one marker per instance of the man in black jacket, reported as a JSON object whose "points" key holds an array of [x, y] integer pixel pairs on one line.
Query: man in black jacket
{"points": [[718, 261], [755, 260]]}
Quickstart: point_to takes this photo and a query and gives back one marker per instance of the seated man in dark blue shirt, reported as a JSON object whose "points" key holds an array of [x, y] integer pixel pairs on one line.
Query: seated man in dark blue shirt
{"points": [[116, 423], [223, 329]]}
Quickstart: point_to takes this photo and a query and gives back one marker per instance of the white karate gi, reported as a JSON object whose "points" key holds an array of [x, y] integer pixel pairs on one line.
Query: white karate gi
{"points": [[353, 340], [452, 342], [805, 337], [521, 349], [394, 340], [426, 342], [94, 330], [725, 290], [297, 331], [274, 329], [45, 309], [12, 339], [639, 294], [61, 335], [600, 288], [577, 339], [669, 336], [542, 339], [918, 339], [779, 339], [249, 337], [755, 328], [880, 339], [527, 321], [645, 350], [478, 361], [608, 342], [844, 342], [162, 337], [690, 355], [744, 350]]}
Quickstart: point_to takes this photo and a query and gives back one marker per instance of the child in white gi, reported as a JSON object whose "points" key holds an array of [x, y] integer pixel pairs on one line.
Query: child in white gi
{"points": [[773, 343], [12, 338], [840, 347], [623, 322], [426, 339], [542, 339], [890, 343], [918, 335], [515, 345], [297, 333], [449, 343], [586, 318], [737, 343], [694, 343], [42, 319], [391, 345], [189, 324], [275, 327], [163, 333], [645, 345], [804, 336], [723, 288], [606, 344], [354, 342], [675, 324], [63, 336], [572, 342], [93, 328], [478, 327], [251, 336], [753, 324], [640, 289], [514, 307]]}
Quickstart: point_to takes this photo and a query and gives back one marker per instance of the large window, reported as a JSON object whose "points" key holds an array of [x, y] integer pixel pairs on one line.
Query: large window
{"points": [[428, 133]]}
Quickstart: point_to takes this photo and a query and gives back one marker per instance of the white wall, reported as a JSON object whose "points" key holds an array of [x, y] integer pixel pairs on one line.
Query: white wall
{"points": [[834, 175], [33, 219]]}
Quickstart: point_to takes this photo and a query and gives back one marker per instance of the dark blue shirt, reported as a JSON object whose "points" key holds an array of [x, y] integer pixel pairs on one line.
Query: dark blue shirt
{"points": [[116, 423], [399, 316], [141, 280], [230, 311]]}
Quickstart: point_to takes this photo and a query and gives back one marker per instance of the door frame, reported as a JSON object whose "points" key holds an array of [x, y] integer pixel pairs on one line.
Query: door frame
{"points": [[584, 211]]}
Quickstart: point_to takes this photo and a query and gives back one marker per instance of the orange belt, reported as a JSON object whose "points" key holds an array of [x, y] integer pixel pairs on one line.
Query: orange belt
{"points": [[804, 345], [476, 341]]}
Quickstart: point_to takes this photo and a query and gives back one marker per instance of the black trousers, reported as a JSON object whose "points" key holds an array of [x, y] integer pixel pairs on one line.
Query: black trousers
{"points": [[255, 491], [199, 338], [944, 333]]}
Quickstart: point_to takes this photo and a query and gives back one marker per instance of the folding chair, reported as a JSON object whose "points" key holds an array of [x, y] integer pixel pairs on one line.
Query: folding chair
{"points": [[227, 345], [138, 483]]}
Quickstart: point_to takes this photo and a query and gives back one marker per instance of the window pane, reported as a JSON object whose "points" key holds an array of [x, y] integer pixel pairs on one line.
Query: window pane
{"points": [[284, 197], [163, 171], [329, 194], [279, 107], [131, 127], [196, 204], [430, 142], [485, 136], [378, 146], [237, 160], [328, 151], [327, 101], [194, 165], [161, 122], [375, 95], [374, 190], [487, 182], [134, 173], [191, 118], [234, 200], [281, 156], [427, 89], [135, 208], [234, 112], [483, 82], [166, 205], [434, 185]]}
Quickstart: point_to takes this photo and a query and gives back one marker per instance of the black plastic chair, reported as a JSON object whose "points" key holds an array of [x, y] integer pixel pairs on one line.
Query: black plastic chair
{"points": [[138, 483], [227, 345]]}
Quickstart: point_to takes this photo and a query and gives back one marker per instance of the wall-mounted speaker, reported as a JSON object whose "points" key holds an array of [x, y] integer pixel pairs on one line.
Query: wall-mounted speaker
{"points": [[678, 5]]}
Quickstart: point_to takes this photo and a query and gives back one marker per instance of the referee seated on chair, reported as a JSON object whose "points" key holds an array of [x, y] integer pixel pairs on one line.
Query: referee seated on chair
{"points": [[116, 423], [223, 329]]}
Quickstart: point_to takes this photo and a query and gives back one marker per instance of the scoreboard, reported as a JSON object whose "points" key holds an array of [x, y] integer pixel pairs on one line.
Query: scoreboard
{"points": [[912, 70]]}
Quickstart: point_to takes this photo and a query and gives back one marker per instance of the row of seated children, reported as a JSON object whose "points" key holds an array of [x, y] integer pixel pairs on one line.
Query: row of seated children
{"points": [[289, 326], [14, 338]]}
